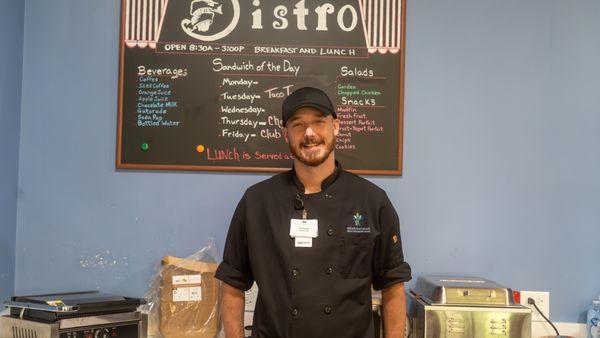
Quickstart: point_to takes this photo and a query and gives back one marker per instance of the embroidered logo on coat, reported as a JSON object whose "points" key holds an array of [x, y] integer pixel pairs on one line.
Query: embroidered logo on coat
{"points": [[358, 219], [359, 224]]}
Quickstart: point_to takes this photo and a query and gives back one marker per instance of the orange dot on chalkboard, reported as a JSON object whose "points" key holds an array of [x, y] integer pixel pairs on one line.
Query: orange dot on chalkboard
{"points": [[200, 148]]}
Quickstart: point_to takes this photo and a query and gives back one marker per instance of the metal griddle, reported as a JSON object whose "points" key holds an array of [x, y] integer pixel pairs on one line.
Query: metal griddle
{"points": [[56, 306], [87, 314]]}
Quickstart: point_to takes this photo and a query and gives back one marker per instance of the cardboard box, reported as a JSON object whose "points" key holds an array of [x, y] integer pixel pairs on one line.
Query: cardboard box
{"points": [[188, 299]]}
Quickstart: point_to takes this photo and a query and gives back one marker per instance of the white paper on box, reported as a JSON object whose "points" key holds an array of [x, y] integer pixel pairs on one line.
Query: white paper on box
{"points": [[195, 293], [187, 294], [187, 279], [181, 294]]}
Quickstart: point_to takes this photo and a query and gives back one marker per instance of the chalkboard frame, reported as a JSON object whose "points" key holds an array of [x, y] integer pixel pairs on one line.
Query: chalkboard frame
{"points": [[223, 168]]}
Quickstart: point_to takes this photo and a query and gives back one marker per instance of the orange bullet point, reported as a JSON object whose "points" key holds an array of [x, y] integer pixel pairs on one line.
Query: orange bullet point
{"points": [[200, 148]]}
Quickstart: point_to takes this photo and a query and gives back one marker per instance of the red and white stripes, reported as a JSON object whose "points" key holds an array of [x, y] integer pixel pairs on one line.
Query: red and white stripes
{"points": [[382, 23], [142, 22], [382, 20]]}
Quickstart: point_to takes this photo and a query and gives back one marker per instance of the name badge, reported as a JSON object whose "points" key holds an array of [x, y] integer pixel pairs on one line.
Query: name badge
{"points": [[304, 228], [303, 242]]}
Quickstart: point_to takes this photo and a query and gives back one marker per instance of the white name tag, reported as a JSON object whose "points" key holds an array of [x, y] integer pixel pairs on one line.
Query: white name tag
{"points": [[304, 228], [303, 242]]}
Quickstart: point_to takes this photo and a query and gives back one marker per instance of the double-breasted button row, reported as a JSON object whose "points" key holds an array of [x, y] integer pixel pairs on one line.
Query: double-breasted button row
{"points": [[296, 272], [327, 310], [330, 232]]}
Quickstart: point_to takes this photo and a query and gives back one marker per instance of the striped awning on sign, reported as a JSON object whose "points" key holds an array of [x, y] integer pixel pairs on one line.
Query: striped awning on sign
{"points": [[382, 23], [382, 20], [142, 22]]}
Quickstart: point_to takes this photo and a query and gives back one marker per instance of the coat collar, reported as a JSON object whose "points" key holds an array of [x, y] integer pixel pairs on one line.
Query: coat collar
{"points": [[326, 182]]}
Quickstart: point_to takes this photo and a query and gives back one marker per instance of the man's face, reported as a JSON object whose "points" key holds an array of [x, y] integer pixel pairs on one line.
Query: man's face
{"points": [[311, 135]]}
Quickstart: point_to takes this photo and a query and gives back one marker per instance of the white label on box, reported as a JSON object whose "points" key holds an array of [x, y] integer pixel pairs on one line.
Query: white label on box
{"points": [[181, 294], [195, 293], [187, 294], [187, 279]]}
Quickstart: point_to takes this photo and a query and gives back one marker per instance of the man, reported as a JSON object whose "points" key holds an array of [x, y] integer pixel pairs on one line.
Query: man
{"points": [[314, 239]]}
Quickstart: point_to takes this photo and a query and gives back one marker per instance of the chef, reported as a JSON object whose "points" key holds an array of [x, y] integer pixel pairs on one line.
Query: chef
{"points": [[315, 239]]}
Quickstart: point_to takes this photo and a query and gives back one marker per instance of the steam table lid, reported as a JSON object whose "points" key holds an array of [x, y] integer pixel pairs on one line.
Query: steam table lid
{"points": [[462, 290]]}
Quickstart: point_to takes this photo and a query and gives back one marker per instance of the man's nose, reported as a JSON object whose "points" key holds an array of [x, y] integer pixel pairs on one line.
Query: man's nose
{"points": [[309, 131]]}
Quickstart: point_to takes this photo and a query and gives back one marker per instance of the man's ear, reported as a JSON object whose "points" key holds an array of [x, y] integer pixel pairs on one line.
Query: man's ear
{"points": [[285, 134], [336, 127]]}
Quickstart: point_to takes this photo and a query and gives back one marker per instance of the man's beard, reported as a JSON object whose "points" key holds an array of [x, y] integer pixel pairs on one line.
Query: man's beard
{"points": [[313, 160]]}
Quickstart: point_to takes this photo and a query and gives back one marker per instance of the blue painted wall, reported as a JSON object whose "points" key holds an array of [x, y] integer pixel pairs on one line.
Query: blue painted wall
{"points": [[501, 154], [11, 58]]}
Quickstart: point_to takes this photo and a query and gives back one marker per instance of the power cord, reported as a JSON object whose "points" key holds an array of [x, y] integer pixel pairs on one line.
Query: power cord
{"points": [[532, 302]]}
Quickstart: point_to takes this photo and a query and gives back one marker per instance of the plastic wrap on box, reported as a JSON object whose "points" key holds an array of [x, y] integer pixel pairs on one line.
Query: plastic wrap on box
{"points": [[183, 298]]}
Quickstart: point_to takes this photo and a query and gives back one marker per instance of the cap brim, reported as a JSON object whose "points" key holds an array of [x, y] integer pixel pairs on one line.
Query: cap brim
{"points": [[324, 110]]}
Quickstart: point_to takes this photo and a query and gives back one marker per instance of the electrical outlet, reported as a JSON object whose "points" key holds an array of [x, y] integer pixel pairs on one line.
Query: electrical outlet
{"points": [[542, 300]]}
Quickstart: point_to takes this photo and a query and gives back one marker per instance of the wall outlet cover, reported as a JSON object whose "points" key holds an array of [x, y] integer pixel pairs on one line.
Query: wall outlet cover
{"points": [[542, 300]]}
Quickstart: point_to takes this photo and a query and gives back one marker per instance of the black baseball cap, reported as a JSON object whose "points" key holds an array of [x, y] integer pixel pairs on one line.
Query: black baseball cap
{"points": [[306, 97]]}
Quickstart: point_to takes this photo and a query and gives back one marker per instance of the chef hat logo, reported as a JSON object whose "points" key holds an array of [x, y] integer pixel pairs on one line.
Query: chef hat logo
{"points": [[204, 13]]}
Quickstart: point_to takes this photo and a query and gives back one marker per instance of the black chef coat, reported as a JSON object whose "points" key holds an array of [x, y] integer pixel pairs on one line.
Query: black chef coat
{"points": [[323, 290]]}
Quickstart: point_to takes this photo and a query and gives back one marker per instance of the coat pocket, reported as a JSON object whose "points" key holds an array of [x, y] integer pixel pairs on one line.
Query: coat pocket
{"points": [[356, 253]]}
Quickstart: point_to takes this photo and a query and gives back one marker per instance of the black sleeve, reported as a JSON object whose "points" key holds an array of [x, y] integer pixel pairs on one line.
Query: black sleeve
{"points": [[235, 268], [389, 266]]}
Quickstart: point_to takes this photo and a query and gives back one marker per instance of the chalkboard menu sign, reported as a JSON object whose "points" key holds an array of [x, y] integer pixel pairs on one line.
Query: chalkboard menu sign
{"points": [[202, 81]]}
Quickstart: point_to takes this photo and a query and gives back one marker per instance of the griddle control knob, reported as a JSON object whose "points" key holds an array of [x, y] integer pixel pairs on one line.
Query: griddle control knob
{"points": [[101, 333]]}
